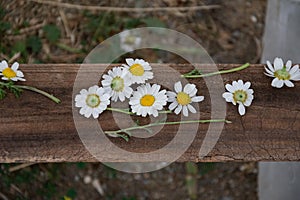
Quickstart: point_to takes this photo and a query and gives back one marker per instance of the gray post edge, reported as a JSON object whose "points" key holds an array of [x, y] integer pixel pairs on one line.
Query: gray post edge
{"points": [[276, 180]]}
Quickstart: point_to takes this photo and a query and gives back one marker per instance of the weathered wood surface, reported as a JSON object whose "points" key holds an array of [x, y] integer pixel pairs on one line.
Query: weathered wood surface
{"points": [[34, 129]]}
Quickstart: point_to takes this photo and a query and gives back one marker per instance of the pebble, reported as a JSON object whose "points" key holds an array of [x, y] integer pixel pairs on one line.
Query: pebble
{"points": [[87, 179]]}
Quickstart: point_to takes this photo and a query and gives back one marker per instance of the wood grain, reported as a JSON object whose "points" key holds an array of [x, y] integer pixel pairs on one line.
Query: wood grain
{"points": [[34, 129]]}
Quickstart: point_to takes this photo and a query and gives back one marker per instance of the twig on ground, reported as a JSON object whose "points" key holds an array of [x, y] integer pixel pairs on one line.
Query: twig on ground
{"points": [[3, 197], [31, 28], [15, 57], [21, 166], [124, 9], [65, 22]]}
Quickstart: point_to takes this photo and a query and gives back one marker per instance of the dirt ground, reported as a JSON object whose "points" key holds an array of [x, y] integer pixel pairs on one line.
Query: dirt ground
{"points": [[38, 33]]}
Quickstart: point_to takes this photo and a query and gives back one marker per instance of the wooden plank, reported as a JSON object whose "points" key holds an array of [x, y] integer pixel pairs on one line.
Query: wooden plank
{"points": [[34, 129]]}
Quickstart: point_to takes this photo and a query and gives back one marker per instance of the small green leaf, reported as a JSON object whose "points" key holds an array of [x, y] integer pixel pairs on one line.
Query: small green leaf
{"points": [[19, 46], [128, 133], [132, 23], [52, 33], [154, 22], [34, 43], [2, 94], [4, 26], [195, 72], [16, 91], [71, 193], [125, 137], [81, 165]]}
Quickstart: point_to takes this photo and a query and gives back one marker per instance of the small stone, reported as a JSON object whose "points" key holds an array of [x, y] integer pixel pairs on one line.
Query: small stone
{"points": [[87, 179], [253, 19]]}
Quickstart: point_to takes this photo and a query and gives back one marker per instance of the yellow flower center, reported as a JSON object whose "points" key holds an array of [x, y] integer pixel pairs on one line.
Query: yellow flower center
{"points": [[240, 95], [282, 74], [137, 69], [117, 84], [93, 100], [147, 100], [183, 98], [9, 73]]}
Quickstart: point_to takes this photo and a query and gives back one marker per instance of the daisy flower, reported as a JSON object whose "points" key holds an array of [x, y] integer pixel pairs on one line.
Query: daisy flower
{"points": [[92, 101], [117, 84], [11, 73], [129, 41], [240, 93], [283, 74], [182, 99], [148, 99], [139, 70]]}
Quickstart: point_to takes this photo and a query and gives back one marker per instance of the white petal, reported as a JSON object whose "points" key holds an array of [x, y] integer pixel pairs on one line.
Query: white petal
{"points": [[15, 66], [241, 83], [20, 74], [191, 108], [269, 73], [173, 105], [247, 85], [83, 92], [3, 65], [280, 84], [171, 94], [88, 112], [95, 114], [278, 64], [178, 87], [122, 97], [288, 65], [21, 79], [271, 68], [188, 88], [155, 113], [242, 109], [178, 109], [289, 83], [155, 89], [295, 76], [228, 96], [198, 98], [229, 88], [294, 69], [250, 91], [275, 82], [185, 111], [93, 89], [193, 92], [247, 103], [82, 110], [129, 61]]}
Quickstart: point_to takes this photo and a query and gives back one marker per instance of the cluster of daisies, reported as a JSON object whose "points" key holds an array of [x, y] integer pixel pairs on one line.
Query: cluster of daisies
{"points": [[239, 93], [146, 100], [149, 99], [11, 73]]}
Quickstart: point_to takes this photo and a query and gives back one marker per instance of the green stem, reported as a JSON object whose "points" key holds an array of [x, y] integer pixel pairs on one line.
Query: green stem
{"points": [[53, 98], [126, 111], [166, 123], [244, 66], [67, 48]]}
